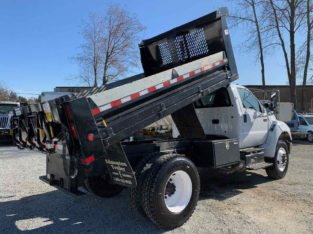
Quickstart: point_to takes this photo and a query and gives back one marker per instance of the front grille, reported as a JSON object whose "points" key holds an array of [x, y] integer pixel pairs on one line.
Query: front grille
{"points": [[4, 122]]}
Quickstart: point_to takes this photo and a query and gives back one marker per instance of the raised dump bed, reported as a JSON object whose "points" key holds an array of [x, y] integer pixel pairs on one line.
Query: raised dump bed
{"points": [[87, 134]]}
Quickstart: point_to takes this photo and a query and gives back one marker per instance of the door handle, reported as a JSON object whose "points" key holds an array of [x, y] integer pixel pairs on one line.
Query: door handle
{"points": [[264, 120], [215, 121]]}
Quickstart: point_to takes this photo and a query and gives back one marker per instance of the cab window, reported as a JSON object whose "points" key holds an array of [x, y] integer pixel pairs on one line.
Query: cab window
{"points": [[302, 121], [219, 98], [309, 120], [249, 100]]}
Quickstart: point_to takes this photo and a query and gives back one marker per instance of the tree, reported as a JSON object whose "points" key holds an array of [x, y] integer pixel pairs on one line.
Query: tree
{"points": [[251, 17], [4, 94], [8, 95], [309, 24], [120, 42], [90, 55], [110, 45], [287, 17]]}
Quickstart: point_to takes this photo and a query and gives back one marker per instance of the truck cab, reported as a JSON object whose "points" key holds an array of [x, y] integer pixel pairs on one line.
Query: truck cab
{"points": [[235, 112], [5, 115]]}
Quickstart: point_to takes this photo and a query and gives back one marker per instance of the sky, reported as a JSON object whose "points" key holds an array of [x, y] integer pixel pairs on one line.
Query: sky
{"points": [[38, 39]]}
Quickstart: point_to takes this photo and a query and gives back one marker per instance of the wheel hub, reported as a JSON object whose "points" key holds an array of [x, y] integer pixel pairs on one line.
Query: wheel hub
{"points": [[281, 159], [170, 189], [178, 191]]}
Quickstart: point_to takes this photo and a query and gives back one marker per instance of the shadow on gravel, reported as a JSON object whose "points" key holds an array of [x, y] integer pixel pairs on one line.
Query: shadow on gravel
{"points": [[220, 186], [58, 212]]}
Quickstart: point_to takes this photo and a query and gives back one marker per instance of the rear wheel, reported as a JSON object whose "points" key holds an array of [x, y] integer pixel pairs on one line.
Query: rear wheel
{"points": [[101, 187], [280, 161], [171, 191]]}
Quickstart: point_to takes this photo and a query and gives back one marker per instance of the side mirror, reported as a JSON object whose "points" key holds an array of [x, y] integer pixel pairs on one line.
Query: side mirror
{"points": [[274, 99], [266, 105]]}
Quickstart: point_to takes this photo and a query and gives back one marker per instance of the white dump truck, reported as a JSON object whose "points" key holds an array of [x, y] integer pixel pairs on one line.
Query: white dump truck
{"points": [[188, 74]]}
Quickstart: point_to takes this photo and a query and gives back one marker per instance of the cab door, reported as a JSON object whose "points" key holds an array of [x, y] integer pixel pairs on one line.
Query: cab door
{"points": [[254, 121]]}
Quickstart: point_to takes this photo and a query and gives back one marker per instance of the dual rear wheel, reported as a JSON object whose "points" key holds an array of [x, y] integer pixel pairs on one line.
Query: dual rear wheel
{"points": [[167, 191]]}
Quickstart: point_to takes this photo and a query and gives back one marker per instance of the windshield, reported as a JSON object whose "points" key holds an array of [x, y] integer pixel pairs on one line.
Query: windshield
{"points": [[310, 120], [6, 108]]}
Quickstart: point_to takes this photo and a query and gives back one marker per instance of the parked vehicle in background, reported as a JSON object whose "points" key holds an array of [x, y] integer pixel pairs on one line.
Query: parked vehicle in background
{"points": [[5, 116], [306, 126], [301, 126]]}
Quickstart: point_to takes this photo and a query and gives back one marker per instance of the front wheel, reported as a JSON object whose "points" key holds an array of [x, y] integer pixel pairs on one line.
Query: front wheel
{"points": [[310, 137], [280, 161]]}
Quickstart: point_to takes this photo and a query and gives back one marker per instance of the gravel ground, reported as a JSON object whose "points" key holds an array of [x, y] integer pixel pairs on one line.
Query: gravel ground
{"points": [[239, 203]]}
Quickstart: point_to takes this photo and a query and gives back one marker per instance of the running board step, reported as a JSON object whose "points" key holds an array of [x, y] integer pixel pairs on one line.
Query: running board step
{"points": [[260, 165], [254, 158], [251, 150]]}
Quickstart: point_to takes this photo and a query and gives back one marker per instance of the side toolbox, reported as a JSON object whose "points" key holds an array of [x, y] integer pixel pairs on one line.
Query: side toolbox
{"points": [[215, 153]]}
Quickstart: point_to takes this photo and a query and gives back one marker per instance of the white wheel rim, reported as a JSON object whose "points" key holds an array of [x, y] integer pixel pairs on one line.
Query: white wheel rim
{"points": [[310, 137], [178, 191], [281, 159]]}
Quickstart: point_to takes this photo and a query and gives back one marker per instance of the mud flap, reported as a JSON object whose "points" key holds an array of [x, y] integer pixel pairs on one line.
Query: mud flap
{"points": [[119, 167]]}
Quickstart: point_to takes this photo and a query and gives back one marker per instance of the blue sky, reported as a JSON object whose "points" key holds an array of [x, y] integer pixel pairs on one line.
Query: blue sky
{"points": [[39, 37]]}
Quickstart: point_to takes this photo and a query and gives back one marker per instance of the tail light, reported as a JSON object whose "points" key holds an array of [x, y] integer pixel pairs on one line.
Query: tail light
{"points": [[69, 116], [73, 131], [87, 160], [90, 137], [298, 124], [68, 112]]}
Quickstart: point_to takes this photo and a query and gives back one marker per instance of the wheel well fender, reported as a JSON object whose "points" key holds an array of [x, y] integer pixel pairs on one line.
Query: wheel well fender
{"points": [[287, 138], [278, 132]]}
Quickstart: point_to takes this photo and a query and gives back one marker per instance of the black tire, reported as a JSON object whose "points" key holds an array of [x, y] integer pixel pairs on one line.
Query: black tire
{"points": [[310, 137], [101, 187], [141, 170], [155, 187], [274, 172]]}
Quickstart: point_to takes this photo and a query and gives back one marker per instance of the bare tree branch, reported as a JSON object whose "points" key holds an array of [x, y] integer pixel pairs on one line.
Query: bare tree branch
{"points": [[110, 45]]}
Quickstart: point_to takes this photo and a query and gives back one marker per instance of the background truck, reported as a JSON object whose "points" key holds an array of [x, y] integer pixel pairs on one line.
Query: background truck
{"points": [[5, 119], [94, 140]]}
